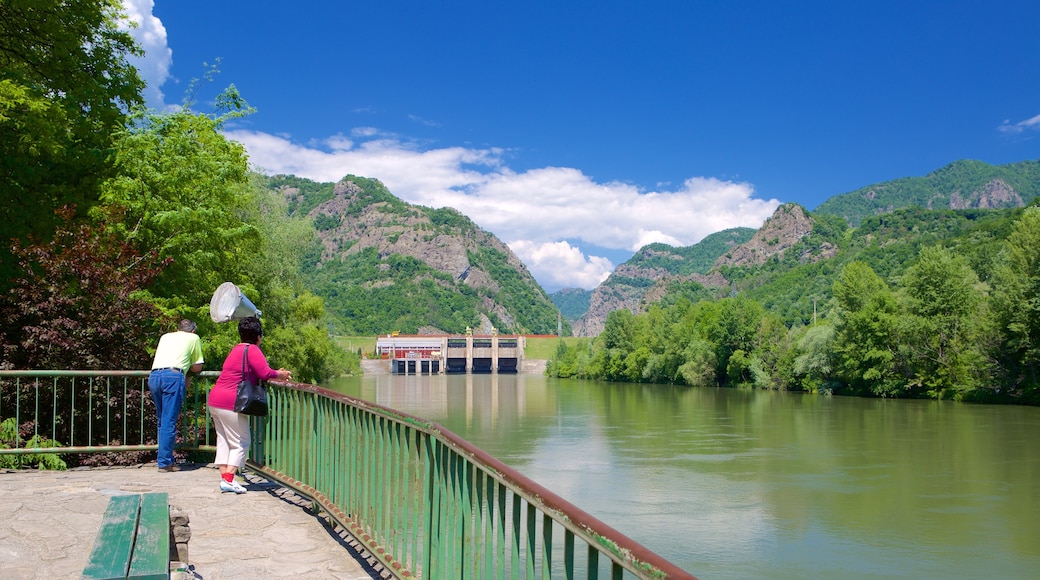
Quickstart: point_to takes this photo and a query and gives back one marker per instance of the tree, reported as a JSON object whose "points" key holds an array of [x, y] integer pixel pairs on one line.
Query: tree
{"points": [[619, 331], [815, 360], [945, 324], [774, 354], [66, 87], [735, 328], [79, 303], [700, 364], [1016, 301], [184, 192], [865, 332], [299, 338]]}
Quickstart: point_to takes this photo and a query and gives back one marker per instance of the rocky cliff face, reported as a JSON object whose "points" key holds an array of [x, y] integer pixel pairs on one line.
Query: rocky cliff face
{"points": [[996, 193], [616, 292], [406, 230], [445, 240], [785, 228]]}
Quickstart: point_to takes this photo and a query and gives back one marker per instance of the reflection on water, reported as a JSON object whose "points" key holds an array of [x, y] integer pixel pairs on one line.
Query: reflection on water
{"points": [[738, 484]]}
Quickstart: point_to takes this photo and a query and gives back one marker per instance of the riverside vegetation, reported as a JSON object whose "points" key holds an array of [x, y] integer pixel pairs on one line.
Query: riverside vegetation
{"points": [[914, 303]]}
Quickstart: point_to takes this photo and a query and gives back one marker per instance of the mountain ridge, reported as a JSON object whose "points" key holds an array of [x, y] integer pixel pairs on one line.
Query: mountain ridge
{"points": [[428, 256], [960, 185], [385, 265]]}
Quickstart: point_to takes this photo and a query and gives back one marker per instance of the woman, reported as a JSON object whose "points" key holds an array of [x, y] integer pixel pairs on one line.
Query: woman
{"points": [[233, 428]]}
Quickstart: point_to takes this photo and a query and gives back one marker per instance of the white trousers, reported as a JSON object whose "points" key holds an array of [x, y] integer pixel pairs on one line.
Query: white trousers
{"points": [[232, 436]]}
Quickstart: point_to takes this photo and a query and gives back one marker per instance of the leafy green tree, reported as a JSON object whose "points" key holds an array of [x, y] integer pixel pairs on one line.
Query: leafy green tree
{"points": [[815, 361], [10, 437], [1016, 299], [183, 191], [865, 333], [570, 360], [300, 340], [635, 363], [619, 331], [773, 356], [739, 369], [735, 328], [700, 364], [946, 324], [65, 89]]}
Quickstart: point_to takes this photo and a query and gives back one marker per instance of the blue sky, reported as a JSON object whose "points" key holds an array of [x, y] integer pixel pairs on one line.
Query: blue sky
{"points": [[579, 131]]}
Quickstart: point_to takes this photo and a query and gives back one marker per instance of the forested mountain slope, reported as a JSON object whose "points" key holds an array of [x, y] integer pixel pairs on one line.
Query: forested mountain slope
{"points": [[657, 266], [963, 184], [384, 265], [572, 302], [761, 264]]}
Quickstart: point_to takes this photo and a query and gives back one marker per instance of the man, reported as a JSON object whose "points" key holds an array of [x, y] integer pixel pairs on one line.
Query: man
{"points": [[177, 353]]}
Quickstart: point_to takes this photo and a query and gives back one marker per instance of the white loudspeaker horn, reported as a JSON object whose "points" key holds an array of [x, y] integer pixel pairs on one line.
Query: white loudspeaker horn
{"points": [[228, 303]]}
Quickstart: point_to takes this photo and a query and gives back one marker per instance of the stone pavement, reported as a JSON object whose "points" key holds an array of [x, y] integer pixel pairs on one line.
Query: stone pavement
{"points": [[48, 521]]}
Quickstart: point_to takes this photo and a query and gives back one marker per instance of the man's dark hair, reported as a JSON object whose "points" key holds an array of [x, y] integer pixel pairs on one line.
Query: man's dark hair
{"points": [[249, 330], [186, 326]]}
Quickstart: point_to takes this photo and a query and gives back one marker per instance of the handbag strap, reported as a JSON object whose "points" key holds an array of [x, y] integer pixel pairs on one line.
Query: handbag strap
{"points": [[245, 351]]}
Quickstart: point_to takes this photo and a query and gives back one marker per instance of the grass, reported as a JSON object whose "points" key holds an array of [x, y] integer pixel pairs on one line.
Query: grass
{"points": [[367, 344], [545, 347]]}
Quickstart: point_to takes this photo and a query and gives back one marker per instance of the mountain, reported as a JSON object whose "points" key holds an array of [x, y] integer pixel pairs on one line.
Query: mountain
{"points": [[383, 265], [571, 302], [761, 264], [963, 184], [651, 270]]}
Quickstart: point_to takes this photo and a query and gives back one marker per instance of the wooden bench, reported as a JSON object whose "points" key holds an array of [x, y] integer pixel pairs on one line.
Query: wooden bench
{"points": [[134, 539]]}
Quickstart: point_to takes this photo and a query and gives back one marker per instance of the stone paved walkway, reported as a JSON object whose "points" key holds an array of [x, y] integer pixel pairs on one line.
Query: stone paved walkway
{"points": [[48, 521]]}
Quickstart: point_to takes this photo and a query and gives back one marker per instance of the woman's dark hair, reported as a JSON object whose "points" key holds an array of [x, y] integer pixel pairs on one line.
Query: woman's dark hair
{"points": [[249, 329]]}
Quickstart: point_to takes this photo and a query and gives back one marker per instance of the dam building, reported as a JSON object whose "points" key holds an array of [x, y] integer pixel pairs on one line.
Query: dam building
{"points": [[437, 354]]}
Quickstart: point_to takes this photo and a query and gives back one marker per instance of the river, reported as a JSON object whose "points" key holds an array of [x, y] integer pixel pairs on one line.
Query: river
{"points": [[747, 484]]}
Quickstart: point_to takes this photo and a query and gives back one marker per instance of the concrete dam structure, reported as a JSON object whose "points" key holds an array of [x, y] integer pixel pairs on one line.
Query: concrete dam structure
{"points": [[438, 354]]}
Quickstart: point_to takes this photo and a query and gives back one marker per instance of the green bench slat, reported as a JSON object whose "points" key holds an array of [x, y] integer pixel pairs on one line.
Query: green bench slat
{"points": [[151, 559], [134, 539], [114, 543]]}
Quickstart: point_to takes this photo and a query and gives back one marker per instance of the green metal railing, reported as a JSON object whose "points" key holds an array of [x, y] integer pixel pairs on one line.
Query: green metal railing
{"points": [[425, 502], [84, 412]]}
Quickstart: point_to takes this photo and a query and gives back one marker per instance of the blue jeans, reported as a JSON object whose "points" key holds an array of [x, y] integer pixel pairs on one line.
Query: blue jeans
{"points": [[167, 388]]}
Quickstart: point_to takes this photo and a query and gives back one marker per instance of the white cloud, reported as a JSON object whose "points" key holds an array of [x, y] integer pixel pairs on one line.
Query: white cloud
{"points": [[150, 33], [561, 265], [532, 211], [1029, 124]]}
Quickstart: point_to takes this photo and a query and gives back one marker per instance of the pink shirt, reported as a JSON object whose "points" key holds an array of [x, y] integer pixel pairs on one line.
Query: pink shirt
{"points": [[222, 395]]}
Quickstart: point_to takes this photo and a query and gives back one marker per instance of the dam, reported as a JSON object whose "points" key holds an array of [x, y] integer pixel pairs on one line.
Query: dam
{"points": [[440, 354]]}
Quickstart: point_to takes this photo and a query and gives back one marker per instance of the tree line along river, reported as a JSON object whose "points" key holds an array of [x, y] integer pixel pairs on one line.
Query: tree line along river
{"points": [[758, 484]]}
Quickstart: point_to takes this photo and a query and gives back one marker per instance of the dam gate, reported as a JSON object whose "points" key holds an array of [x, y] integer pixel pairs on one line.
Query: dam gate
{"points": [[433, 354]]}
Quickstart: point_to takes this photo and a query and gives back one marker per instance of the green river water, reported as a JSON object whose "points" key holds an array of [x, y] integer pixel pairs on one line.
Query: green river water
{"points": [[744, 484]]}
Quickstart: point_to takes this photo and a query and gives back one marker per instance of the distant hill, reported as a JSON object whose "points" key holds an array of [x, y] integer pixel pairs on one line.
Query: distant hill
{"points": [[656, 265], [383, 265], [960, 185], [572, 302]]}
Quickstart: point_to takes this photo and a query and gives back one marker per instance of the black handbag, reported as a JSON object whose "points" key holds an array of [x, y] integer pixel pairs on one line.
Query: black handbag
{"points": [[251, 398]]}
